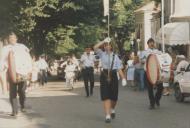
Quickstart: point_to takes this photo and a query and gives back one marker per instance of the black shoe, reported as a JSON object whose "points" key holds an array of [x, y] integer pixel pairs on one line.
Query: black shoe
{"points": [[158, 103], [113, 115], [108, 120], [151, 107], [13, 114]]}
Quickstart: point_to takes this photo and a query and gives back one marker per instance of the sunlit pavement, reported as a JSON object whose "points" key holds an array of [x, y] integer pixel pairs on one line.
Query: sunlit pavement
{"points": [[53, 107]]}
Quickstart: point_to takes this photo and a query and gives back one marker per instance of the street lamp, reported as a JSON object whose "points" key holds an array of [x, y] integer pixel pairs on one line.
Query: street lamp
{"points": [[162, 24]]}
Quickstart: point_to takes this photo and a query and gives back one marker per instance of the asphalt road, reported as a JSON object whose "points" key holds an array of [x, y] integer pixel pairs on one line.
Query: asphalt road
{"points": [[53, 107]]}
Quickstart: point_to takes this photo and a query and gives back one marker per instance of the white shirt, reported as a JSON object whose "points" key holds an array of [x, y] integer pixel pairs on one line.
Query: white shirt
{"points": [[4, 57], [75, 61], [106, 60], [88, 60], [69, 71], [23, 60], [70, 68], [130, 63], [42, 64], [143, 55]]}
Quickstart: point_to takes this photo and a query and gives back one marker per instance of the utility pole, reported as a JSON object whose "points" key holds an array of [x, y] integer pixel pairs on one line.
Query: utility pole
{"points": [[163, 43]]}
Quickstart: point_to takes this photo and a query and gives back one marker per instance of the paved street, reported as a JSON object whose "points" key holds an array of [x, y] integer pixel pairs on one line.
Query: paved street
{"points": [[52, 107]]}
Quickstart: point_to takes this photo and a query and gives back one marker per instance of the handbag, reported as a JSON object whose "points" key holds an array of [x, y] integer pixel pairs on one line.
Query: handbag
{"points": [[108, 73]]}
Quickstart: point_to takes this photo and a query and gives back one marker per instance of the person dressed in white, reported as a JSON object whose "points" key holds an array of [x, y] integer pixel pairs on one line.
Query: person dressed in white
{"points": [[70, 73], [3, 74], [130, 70], [23, 67], [43, 67], [78, 69], [35, 71]]}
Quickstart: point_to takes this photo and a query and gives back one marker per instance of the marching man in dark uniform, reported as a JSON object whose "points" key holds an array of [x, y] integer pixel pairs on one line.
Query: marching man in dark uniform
{"points": [[87, 60], [23, 67], [111, 65], [154, 98]]}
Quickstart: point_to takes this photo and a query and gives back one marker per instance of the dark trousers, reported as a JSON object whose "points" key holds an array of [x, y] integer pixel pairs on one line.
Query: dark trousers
{"points": [[88, 76], [140, 78], [43, 77], [14, 89], [154, 98]]}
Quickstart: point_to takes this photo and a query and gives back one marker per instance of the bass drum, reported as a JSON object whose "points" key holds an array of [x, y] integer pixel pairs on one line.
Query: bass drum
{"points": [[12, 67], [158, 68]]}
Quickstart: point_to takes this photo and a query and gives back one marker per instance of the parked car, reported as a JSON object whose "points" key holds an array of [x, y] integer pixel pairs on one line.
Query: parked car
{"points": [[182, 85]]}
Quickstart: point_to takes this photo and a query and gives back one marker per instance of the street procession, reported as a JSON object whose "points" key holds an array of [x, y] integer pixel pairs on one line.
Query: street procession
{"points": [[95, 63]]}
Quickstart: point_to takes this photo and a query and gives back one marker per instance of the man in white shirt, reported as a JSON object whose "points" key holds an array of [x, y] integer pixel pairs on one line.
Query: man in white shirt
{"points": [[43, 67], [153, 98], [23, 67], [87, 60]]}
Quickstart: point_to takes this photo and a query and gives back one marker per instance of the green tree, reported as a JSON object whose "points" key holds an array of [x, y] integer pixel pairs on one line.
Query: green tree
{"points": [[62, 37], [123, 22], [59, 27]]}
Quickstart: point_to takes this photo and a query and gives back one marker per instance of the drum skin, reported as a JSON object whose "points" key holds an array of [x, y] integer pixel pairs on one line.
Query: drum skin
{"points": [[158, 68], [12, 67], [152, 69]]}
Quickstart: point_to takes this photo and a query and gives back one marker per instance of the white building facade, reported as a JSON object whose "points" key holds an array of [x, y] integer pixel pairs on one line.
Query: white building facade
{"points": [[177, 28], [147, 23]]}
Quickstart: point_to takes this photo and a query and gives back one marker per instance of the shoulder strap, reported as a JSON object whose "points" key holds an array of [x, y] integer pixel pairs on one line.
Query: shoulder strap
{"points": [[112, 61]]}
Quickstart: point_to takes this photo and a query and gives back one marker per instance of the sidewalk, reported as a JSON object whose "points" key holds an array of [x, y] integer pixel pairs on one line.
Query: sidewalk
{"points": [[21, 121], [30, 119], [6, 121]]}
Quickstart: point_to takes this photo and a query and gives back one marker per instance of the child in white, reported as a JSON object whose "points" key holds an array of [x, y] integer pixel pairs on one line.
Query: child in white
{"points": [[130, 70], [70, 73], [35, 72]]}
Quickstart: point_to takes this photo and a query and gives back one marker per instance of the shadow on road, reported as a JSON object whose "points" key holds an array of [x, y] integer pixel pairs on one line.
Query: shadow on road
{"points": [[53, 107], [55, 78], [65, 109], [6, 115]]}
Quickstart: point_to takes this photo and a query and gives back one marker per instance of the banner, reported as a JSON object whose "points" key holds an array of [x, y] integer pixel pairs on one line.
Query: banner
{"points": [[106, 7]]}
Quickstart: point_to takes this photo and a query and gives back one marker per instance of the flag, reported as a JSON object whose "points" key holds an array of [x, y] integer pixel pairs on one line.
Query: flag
{"points": [[106, 7]]}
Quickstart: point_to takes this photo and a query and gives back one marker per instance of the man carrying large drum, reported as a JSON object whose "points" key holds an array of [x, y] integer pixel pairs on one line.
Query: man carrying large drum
{"points": [[157, 67], [17, 61]]}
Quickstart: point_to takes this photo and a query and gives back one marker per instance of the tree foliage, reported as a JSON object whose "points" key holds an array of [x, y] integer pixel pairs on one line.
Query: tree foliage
{"points": [[124, 22], [61, 36], [63, 26]]}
